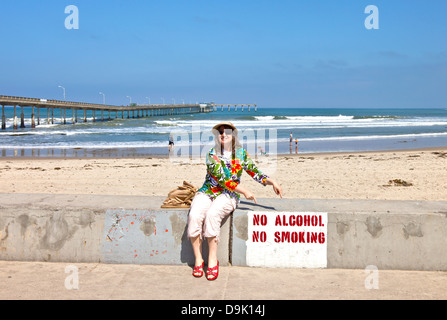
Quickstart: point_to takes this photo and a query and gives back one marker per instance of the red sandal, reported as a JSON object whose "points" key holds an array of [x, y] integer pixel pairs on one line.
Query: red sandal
{"points": [[198, 271], [213, 273]]}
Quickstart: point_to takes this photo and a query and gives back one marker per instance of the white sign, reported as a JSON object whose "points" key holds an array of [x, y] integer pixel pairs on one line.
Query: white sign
{"points": [[287, 239]]}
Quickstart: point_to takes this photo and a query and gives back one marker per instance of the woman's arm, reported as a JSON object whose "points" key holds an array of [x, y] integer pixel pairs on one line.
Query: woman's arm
{"points": [[251, 168], [250, 195], [253, 171]]}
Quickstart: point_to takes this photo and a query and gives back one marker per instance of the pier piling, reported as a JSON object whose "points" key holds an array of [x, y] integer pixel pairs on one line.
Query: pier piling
{"points": [[22, 118], [33, 119], [3, 118]]}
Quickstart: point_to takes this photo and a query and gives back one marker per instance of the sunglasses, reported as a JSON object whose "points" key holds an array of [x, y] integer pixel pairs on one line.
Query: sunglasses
{"points": [[222, 131]]}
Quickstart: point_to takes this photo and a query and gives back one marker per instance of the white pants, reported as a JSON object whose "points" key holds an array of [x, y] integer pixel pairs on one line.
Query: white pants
{"points": [[206, 215]]}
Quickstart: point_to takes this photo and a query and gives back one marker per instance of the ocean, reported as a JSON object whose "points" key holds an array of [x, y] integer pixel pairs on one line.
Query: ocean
{"points": [[266, 130]]}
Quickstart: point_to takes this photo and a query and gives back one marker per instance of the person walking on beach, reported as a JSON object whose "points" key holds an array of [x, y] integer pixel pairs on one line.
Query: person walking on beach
{"points": [[171, 142], [290, 142], [220, 194]]}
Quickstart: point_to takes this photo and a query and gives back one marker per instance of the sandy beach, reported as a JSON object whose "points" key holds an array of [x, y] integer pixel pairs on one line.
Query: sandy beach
{"points": [[392, 175]]}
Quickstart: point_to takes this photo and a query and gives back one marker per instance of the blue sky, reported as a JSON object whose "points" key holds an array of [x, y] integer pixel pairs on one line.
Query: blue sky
{"points": [[273, 53]]}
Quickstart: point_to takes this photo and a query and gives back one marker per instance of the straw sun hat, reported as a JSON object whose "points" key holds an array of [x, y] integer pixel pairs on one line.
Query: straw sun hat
{"points": [[225, 123]]}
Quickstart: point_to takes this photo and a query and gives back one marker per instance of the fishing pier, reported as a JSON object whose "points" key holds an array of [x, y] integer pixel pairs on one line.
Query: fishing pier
{"points": [[72, 110]]}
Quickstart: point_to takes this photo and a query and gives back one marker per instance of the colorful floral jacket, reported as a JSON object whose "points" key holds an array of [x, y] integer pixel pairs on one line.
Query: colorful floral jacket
{"points": [[223, 175]]}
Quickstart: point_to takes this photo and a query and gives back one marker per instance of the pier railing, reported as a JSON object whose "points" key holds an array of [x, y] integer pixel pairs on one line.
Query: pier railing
{"points": [[229, 105]]}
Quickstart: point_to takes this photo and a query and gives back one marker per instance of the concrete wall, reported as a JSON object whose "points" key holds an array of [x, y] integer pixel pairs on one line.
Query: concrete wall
{"points": [[407, 235], [112, 229], [109, 229], [153, 237]]}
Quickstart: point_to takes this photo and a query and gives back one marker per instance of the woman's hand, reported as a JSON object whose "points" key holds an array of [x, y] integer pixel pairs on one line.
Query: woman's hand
{"points": [[250, 196], [278, 189], [247, 193], [276, 186]]}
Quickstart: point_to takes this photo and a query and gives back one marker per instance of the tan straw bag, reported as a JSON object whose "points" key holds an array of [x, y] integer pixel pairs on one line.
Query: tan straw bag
{"points": [[180, 197]]}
